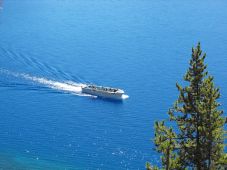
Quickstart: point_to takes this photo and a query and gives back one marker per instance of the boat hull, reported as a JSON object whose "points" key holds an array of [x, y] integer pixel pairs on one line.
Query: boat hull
{"points": [[103, 94]]}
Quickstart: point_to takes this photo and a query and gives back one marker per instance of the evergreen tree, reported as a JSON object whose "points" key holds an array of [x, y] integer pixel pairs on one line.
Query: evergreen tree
{"points": [[199, 139]]}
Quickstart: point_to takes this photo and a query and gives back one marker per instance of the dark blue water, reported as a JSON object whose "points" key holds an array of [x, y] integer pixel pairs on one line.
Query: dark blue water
{"points": [[141, 46]]}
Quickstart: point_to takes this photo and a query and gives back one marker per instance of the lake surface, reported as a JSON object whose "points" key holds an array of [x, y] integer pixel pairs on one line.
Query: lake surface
{"points": [[141, 46]]}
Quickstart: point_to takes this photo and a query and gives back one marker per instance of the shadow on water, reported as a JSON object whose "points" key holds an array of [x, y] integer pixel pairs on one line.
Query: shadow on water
{"points": [[107, 100]]}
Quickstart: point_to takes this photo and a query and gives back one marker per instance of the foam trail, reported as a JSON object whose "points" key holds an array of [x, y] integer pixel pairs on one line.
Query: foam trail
{"points": [[70, 87]]}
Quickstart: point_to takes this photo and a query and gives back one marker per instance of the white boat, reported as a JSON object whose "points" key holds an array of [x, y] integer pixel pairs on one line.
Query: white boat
{"points": [[105, 92]]}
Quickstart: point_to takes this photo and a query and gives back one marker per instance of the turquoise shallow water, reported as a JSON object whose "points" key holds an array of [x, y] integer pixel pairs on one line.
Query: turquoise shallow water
{"points": [[142, 47]]}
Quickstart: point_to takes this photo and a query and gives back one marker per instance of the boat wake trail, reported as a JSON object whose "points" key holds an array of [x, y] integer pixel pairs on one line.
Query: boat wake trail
{"points": [[66, 86], [72, 87]]}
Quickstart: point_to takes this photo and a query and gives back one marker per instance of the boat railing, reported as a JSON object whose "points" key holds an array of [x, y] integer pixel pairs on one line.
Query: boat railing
{"points": [[108, 89]]}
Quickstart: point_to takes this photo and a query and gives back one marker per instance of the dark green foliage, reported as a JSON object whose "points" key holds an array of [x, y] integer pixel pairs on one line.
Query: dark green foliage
{"points": [[199, 141]]}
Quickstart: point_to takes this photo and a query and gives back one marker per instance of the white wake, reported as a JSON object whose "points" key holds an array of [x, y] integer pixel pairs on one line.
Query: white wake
{"points": [[70, 87]]}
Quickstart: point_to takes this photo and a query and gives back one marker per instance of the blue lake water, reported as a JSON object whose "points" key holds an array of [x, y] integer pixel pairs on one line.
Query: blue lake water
{"points": [[141, 46]]}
